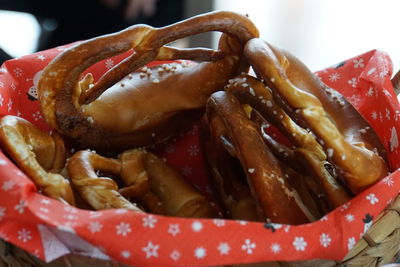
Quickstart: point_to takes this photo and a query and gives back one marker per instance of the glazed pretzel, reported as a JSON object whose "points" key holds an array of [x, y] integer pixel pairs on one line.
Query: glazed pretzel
{"points": [[276, 200], [159, 187], [307, 152], [99, 192], [347, 139], [144, 107], [40, 155]]}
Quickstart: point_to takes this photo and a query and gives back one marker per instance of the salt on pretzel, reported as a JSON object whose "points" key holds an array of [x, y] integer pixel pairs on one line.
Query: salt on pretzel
{"points": [[307, 152], [347, 139], [99, 192], [125, 108], [159, 187], [276, 200], [39, 154]]}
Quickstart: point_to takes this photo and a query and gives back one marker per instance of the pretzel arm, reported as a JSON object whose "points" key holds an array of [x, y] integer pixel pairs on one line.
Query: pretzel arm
{"points": [[175, 196], [38, 154], [98, 192], [277, 201], [251, 91], [336, 124]]}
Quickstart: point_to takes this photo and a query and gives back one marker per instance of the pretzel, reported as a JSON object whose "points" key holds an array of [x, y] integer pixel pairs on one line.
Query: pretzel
{"points": [[307, 155], [147, 106], [99, 192], [227, 179], [351, 145], [40, 155], [276, 200], [159, 187]]}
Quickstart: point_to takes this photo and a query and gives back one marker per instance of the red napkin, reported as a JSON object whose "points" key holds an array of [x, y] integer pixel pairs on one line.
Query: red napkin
{"points": [[49, 229]]}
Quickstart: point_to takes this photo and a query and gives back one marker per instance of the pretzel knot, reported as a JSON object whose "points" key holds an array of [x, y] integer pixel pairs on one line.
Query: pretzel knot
{"points": [[40, 155], [125, 108]]}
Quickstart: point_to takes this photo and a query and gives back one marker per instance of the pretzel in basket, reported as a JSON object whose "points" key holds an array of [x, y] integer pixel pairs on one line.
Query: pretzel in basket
{"points": [[147, 180], [40, 155], [126, 108], [275, 199], [350, 144]]}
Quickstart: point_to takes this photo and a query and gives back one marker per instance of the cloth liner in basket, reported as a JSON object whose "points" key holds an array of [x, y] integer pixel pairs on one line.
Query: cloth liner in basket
{"points": [[49, 229]]}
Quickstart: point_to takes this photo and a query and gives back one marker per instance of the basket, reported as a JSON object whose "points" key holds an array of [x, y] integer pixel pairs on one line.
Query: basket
{"points": [[379, 245]]}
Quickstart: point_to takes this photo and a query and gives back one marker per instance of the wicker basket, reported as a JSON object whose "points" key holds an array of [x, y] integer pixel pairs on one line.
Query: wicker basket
{"points": [[379, 245]]}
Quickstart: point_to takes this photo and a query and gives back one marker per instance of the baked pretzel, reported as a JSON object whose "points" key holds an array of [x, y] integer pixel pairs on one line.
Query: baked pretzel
{"points": [[99, 192], [159, 187], [227, 178], [40, 155], [307, 156], [146, 106], [276, 200], [351, 145]]}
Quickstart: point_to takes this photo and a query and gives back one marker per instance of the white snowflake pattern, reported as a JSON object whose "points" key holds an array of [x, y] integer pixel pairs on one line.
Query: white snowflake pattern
{"points": [[8, 185], [372, 198], [351, 242], [1, 100], [358, 63], [9, 105], [197, 226], [248, 246], [95, 227], [286, 229], [374, 115], [175, 255], [352, 82], [123, 228], [121, 211], [299, 243], [1, 84], [275, 248], [2, 212], [174, 229], [387, 112], [200, 252], [224, 248], [37, 115], [24, 235], [109, 63], [344, 207], [324, 218], [125, 254], [45, 210], [20, 207], [334, 77], [45, 201], [355, 100], [186, 170], [18, 72], [384, 72], [151, 250], [3, 162], [41, 57], [325, 240], [242, 222], [70, 209], [349, 217], [370, 91], [388, 181], [219, 222], [193, 150], [13, 86], [149, 221]]}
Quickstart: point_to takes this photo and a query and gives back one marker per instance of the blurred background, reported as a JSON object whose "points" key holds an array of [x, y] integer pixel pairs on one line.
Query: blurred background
{"points": [[320, 33]]}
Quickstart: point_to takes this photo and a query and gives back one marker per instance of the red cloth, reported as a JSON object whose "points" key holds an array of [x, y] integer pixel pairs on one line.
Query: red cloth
{"points": [[49, 229]]}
